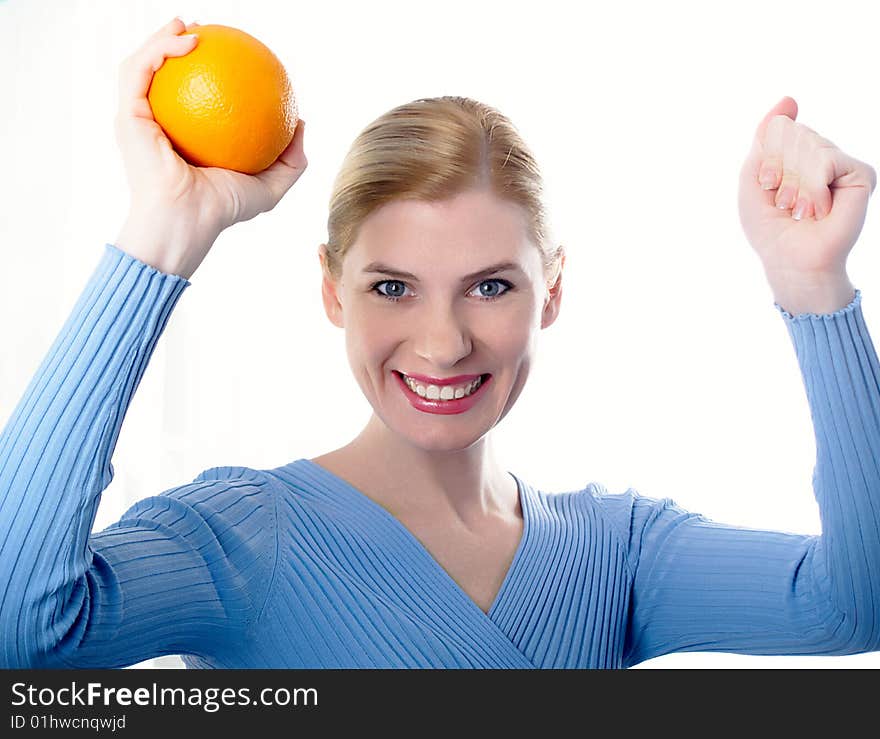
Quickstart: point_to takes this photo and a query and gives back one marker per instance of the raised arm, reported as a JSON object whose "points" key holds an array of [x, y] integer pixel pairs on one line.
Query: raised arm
{"points": [[698, 585], [185, 572]]}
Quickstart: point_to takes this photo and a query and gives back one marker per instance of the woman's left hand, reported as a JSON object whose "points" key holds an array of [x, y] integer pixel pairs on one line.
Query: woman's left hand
{"points": [[802, 204]]}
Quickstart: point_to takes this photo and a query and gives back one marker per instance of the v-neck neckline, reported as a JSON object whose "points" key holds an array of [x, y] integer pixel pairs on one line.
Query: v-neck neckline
{"points": [[436, 567]]}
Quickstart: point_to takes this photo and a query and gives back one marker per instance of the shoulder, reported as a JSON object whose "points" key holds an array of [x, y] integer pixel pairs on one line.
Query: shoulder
{"points": [[233, 473], [223, 521], [224, 505], [628, 510], [218, 488], [626, 515], [615, 508]]}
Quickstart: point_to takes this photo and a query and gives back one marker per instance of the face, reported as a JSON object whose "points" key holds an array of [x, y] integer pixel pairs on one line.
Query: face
{"points": [[452, 317]]}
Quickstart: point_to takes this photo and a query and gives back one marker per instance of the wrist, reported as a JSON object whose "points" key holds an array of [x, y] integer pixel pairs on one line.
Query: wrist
{"points": [[819, 294], [173, 245]]}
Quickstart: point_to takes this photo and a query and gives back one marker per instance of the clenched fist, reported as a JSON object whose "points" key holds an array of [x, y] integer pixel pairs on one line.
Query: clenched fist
{"points": [[802, 204]]}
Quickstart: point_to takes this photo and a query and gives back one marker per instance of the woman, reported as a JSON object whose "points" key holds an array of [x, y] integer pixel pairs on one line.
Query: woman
{"points": [[411, 546]]}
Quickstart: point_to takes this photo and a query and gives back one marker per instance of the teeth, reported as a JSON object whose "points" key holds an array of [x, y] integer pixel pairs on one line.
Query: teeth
{"points": [[446, 392]]}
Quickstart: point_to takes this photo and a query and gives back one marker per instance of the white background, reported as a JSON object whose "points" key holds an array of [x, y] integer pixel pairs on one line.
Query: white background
{"points": [[668, 370]]}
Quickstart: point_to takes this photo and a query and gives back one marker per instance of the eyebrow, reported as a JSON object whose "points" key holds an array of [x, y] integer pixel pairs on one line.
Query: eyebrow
{"points": [[381, 268]]}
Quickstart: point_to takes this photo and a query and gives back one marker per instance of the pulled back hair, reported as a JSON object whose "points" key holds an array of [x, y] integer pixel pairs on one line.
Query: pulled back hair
{"points": [[433, 149]]}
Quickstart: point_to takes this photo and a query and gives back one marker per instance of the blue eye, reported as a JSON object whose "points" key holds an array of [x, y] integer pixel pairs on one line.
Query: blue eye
{"points": [[397, 293], [395, 297], [507, 286]]}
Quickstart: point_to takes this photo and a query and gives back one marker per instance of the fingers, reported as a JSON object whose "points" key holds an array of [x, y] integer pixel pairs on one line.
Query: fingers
{"points": [[294, 155], [280, 176], [261, 192], [772, 164], [792, 161], [814, 196], [796, 168], [136, 72], [787, 106], [139, 137]]}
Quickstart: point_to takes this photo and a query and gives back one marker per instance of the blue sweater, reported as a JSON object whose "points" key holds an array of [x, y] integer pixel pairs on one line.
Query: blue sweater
{"points": [[293, 567]]}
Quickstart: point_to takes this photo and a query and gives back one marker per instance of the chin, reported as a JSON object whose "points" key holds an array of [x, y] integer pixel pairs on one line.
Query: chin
{"points": [[431, 436], [443, 443]]}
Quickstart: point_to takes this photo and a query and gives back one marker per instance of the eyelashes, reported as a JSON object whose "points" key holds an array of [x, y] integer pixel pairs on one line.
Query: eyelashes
{"points": [[394, 298]]}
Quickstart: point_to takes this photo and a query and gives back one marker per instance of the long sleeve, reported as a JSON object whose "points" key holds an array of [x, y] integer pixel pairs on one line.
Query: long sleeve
{"points": [[698, 585], [184, 572]]}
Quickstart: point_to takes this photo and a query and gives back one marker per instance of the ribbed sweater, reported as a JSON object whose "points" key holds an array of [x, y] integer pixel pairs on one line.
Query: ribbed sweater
{"points": [[293, 567]]}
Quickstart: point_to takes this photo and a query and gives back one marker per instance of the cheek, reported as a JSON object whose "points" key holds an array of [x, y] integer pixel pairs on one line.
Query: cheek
{"points": [[513, 344], [367, 339], [515, 332]]}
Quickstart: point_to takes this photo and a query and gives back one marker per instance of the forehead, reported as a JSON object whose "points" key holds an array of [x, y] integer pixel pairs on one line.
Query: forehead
{"points": [[471, 229]]}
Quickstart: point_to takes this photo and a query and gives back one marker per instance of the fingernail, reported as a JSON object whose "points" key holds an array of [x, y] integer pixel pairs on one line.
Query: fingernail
{"points": [[799, 209], [768, 180], [784, 198]]}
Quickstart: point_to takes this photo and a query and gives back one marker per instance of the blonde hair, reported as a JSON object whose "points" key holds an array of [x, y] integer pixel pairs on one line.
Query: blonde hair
{"points": [[433, 149]]}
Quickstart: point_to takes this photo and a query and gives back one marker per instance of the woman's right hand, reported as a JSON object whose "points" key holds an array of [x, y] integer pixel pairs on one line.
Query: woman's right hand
{"points": [[177, 209]]}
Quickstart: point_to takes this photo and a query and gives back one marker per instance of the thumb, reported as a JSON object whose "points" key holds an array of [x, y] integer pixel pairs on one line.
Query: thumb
{"points": [[288, 167], [786, 106]]}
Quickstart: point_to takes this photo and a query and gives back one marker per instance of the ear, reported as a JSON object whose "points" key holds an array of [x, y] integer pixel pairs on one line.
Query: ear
{"points": [[330, 291], [554, 297]]}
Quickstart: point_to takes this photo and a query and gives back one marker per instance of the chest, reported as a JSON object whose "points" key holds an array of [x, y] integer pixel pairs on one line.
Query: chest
{"points": [[477, 561], [356, 587]]}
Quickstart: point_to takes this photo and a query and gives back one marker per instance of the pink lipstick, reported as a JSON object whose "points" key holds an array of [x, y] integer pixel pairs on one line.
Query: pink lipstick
{"points": [[443, 407]]}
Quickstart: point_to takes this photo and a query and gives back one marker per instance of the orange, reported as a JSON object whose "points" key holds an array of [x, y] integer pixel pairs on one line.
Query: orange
{"points": [[227, 103]]}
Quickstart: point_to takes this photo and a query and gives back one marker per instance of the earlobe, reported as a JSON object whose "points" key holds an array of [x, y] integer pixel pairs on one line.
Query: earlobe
{"points": [[332, 306]]}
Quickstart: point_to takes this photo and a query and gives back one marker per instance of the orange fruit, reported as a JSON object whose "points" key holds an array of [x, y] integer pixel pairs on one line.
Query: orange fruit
{"points": [[227, 103]]}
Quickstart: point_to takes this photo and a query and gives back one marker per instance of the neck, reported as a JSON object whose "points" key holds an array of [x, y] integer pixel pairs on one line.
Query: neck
{"points": [[465, 484]]}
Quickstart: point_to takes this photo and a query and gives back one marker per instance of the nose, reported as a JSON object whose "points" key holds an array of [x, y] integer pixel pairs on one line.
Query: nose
{"points": [[442, 338]]}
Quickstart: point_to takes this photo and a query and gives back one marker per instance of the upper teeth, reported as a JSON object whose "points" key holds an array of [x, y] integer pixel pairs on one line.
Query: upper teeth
{"points": [[444, 392]]}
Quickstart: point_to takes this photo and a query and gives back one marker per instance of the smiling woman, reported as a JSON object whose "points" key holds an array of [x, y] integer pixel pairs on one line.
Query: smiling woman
{"points": [[412, 546], [440, 329], [442, 198]]}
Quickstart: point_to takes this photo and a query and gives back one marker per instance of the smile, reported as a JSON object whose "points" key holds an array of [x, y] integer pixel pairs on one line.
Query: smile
{"points": [[442, 392], [443, 399]]}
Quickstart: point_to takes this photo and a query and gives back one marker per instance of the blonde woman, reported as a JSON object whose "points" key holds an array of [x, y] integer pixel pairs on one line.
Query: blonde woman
{"points": [[413, 546]]}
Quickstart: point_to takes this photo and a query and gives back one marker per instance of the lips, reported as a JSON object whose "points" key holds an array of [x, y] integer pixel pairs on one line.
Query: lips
{"points": [[443, 407]]}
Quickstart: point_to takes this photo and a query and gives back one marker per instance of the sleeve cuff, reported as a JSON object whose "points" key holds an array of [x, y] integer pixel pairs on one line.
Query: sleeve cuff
{"points": [[128, 259], [853, 305]]}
